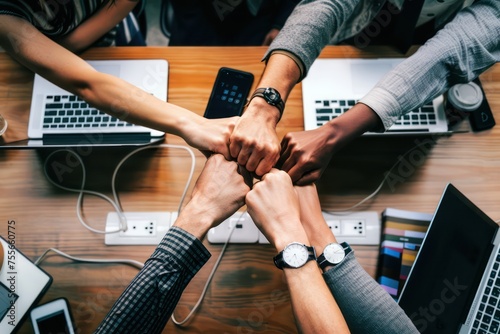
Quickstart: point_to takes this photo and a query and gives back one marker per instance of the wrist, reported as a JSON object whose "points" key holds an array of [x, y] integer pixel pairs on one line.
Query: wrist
{"points": [[351, 125], [188, 125], [258, 109], [195, 221], [293, 233]]}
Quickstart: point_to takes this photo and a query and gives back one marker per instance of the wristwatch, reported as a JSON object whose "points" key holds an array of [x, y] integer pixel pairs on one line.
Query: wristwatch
{"points": [[295, 255], [271, 96], [333, 254]]}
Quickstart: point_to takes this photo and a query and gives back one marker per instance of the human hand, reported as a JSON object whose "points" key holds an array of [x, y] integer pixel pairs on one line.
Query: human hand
{"points": [[219, 192], [305, 154], [254, 142], [270, 36], [211, 135], [274, 207]]}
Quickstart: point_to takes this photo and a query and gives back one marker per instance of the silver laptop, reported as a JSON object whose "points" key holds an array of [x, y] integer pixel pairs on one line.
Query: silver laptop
{"points": [[454, 283], [334, 85], [59, 118]]}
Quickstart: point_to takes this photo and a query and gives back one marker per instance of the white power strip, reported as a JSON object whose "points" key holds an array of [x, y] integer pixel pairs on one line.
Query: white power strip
{"points": [[143, 228], [355, 228], [245, 231]]}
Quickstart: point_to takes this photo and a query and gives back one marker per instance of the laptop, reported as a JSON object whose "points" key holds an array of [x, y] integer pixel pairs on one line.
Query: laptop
{"points": [[454, 284], [59, 118], [333, 85]]}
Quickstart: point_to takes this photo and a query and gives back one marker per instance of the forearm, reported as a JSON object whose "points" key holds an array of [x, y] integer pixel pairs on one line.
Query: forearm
{"points": [[105, 92], [281, 73], [146, 305], [321, 315], [343, 129], [314, 308], [310, 28], [127, 102], [366, 307], [462, 50]]}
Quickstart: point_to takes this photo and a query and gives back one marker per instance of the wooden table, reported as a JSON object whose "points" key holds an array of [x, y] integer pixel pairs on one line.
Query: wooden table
{"points": [[248, 293]]}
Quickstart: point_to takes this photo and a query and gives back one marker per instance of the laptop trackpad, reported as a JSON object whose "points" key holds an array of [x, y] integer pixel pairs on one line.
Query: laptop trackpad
{"points": [[365, 76]]}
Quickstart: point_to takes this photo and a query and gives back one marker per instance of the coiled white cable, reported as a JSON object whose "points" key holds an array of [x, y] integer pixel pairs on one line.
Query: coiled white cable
{"points": [[115, 203]]}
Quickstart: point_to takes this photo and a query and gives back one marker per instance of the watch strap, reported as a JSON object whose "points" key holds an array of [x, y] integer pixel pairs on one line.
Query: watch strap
{"points": [[280, 263], [278, 103], [323, 262]]}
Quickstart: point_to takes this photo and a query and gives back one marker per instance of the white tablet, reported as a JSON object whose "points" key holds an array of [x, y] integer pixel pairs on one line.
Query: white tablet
{"points": [[22, 284]]}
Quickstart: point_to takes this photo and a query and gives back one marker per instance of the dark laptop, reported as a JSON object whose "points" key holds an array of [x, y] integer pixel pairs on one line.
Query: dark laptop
{"points": [[454, 284]]}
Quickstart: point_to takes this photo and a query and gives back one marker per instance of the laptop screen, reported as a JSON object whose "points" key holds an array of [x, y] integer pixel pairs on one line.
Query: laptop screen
{"points": [[449, 267]]}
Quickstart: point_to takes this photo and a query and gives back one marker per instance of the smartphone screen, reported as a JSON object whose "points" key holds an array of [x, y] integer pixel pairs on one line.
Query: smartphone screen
{"points": [[53, 323], [229, 93], [52, 317]]}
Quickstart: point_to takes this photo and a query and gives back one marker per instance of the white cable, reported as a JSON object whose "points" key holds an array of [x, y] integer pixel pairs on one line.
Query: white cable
{"points": [[380, 185], [205, 288], [83, 191], [188, 149], [133, 263], [116, 203]]}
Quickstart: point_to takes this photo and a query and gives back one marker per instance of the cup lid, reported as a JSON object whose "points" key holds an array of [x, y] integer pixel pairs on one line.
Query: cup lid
{"points": [[465, 97]]}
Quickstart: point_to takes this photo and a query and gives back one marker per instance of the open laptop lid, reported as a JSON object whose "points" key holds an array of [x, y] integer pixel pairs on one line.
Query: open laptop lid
{"points": [[152, 76], [449, 267], [332, 79]]}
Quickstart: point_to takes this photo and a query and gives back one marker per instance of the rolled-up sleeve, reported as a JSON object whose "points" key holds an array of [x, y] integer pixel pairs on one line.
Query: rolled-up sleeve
{"points": [[459, 52], [310, 27]]}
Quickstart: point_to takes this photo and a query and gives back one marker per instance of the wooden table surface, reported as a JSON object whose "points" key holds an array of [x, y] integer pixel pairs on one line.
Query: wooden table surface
{"points": [[248, 293]]}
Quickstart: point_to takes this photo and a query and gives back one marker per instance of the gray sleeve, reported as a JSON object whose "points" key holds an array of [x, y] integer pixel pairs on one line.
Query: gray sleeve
{"points": [[462, 50], [367, 308], [310, 28]]}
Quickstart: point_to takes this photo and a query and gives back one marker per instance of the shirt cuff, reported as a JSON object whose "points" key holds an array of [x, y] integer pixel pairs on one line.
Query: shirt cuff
{"points": [[384, 105], [336, 273], [290, 55], [184, 247]]}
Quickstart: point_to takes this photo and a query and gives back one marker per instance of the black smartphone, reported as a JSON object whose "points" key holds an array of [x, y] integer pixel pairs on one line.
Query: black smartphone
{"points": [[482, 118], [229, 93]]}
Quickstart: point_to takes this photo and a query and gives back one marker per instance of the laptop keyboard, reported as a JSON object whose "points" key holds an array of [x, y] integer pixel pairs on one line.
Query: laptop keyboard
{"points": [[69, 111], [326, 110], [488, 317]]}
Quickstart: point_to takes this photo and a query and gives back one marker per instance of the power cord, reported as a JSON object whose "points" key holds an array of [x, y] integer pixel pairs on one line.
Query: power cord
{"points": [[210, 277], [123, 221], [115, 203], [373, 194], [133, 263]]}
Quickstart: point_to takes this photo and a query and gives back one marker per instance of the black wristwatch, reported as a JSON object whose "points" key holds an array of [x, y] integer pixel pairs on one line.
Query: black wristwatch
{"points": [[271, 96], [333, 254], [295, 255]]}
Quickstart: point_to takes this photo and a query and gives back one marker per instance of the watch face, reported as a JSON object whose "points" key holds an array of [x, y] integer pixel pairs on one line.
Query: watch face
{"points": [[272, 95], [295, 255], [334, 253]]}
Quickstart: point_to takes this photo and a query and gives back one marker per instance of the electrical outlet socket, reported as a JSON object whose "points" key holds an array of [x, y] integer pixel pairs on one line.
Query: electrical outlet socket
{"points": [[143, 228], [245, 231], [355, 228]]}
